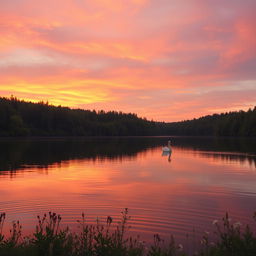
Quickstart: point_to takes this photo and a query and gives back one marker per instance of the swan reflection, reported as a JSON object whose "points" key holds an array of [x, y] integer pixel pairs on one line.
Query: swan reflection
{"points": [[167, 153]]}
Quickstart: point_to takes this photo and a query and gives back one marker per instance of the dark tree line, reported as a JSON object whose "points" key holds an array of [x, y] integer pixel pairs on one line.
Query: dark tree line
{"points": [[241, 123], [20, 118]]}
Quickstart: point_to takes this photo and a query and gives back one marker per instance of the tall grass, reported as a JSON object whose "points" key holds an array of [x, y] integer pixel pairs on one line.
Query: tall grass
{"points": [[111, 240]]}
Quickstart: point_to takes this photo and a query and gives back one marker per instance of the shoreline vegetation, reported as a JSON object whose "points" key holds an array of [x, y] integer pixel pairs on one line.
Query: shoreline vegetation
{"points": [[109, 239], [21, 118]]}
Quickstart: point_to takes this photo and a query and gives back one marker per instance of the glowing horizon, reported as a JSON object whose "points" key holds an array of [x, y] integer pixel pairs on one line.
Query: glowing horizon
{"points": [[163, 60]]}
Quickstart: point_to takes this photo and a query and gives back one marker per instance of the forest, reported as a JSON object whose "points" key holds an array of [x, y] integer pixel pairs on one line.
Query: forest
{"points": [[21, 118], [237, 123]]}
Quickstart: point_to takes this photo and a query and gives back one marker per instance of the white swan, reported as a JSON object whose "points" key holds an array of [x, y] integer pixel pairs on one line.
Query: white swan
{"points": [[167, 148]]}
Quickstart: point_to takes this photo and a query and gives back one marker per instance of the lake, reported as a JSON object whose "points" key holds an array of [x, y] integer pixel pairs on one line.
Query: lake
{"points": [[181, 195]]}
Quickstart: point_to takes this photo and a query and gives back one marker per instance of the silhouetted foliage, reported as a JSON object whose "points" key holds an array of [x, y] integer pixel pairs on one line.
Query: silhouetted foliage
{"points": [[20, 118], [111, 239], [239, 123]]}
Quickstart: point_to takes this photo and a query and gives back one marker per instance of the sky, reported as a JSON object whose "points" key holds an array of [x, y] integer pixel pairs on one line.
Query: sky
{"points": [[166, 60]]}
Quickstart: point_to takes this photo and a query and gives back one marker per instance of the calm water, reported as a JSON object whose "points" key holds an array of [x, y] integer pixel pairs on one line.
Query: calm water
{"points": [[202, 179]]}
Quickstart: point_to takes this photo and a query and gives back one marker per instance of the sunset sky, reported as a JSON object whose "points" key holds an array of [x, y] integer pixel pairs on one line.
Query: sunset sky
{"points": [[166, 60]]}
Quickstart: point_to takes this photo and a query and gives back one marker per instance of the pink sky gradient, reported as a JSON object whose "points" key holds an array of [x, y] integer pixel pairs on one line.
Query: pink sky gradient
{"points": [[164, 60]]}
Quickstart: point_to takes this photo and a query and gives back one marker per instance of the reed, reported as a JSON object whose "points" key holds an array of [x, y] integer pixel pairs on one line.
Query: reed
{"points": [[107, 239]]}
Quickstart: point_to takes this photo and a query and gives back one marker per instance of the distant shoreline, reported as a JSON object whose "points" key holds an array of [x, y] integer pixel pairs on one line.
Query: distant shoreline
{"points": [[27, 119]]}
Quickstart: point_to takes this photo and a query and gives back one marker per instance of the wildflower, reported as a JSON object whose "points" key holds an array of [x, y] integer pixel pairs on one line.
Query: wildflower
{"points": [[141, 243], [109, 220], [180, 247], [215, 222], [203, 241], [26, 240], [157, 238], [237, 224]]}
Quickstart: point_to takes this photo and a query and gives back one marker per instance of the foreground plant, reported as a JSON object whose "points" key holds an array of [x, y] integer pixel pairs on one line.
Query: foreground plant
{"points": [[231, 239], [111, 240], [2, 218]]}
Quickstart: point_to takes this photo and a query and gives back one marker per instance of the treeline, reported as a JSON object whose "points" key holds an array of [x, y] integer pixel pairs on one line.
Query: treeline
{"points": [[20, 118], [241, 123]]}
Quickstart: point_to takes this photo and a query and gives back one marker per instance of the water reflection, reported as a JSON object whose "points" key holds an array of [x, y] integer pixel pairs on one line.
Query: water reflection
{"points": [[169, 154], [243, 159], [217, 144], [18, 154], [102, 176]]}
